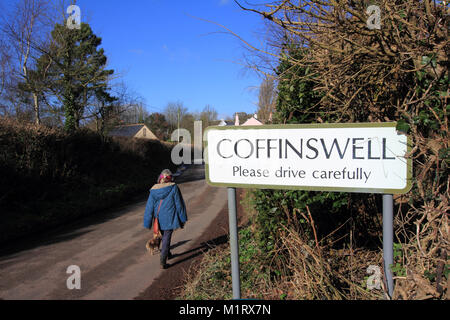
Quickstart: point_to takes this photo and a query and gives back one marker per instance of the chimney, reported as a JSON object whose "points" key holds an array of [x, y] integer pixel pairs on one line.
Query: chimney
{"points": [[236, 122]]}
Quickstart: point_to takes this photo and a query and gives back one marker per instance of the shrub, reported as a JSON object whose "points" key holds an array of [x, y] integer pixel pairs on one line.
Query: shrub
{"points": [[49, 177]]}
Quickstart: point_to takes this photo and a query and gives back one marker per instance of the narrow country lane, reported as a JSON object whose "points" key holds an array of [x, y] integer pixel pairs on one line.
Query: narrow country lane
{"points": [[110, 254]]}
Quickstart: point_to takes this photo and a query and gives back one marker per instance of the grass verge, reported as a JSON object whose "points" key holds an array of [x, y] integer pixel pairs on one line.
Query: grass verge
{"points": [[308, 273]]}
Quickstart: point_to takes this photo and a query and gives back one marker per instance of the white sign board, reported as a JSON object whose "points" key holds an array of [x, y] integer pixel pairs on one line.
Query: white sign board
{"points": [[360, 157]]}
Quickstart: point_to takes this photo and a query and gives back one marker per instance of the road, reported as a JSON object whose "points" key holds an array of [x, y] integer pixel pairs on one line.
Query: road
{"points": [[110, 252]]}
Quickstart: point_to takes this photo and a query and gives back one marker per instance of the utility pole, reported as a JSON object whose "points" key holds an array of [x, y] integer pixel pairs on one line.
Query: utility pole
{"points": [[178, 121]]}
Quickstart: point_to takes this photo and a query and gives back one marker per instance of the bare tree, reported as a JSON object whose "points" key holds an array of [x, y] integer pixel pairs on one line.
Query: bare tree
{"points": [[208, 115], [266, 99], [351, 60], [26, 29], [124, 107], [174, 112], [5, 60]]}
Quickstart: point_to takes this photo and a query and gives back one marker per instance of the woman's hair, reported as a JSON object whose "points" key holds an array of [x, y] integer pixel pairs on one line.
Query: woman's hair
{"points": [[165, 176]]}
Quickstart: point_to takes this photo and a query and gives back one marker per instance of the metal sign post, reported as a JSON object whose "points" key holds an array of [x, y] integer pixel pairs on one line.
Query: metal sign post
{"points": [[234, 243], [388, 240]]}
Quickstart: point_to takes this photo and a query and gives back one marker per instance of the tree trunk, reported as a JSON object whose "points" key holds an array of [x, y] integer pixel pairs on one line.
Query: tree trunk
{"points": [[36, 109]]}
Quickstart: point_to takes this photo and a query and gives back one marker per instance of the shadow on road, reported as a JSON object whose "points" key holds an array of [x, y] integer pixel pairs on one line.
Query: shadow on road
{"points": [[201, 249], [69, 231], [178, 244], [72, 230], [13, 251]]}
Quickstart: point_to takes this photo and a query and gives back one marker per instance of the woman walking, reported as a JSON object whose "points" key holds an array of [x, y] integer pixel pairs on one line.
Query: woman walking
{"points": [[165, 203]]}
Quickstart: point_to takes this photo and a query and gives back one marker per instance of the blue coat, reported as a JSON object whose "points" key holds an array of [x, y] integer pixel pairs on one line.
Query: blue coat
{"points": [[172, 214]]}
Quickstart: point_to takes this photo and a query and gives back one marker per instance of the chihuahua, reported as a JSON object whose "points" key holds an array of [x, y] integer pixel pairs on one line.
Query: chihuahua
{"points": [[153, 244]]}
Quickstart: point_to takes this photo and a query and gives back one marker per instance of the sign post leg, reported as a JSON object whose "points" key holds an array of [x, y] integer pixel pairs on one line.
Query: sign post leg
{"points": [[388, 240], [234, 243]]}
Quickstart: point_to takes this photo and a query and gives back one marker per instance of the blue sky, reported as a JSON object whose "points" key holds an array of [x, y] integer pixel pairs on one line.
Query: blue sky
{"points": [[165, 54]]}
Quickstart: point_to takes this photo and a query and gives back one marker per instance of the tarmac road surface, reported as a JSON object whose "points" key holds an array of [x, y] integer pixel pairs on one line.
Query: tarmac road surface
{"points": [[110, 252]]}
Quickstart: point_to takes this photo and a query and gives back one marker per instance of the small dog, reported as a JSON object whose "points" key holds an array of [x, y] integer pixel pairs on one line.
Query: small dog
{"points": [[152, 245]]}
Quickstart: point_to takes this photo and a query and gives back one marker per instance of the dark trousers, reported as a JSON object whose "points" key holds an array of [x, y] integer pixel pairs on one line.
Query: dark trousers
{"points": [[165, 245]]}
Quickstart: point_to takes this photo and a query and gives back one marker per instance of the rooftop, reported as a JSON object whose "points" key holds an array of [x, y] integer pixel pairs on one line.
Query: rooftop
{"points": [[126, 130]]}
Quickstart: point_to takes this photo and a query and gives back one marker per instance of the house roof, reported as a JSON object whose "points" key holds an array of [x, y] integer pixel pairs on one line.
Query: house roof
{"points": [[224, 123], [252, 122], [126, 131]]}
